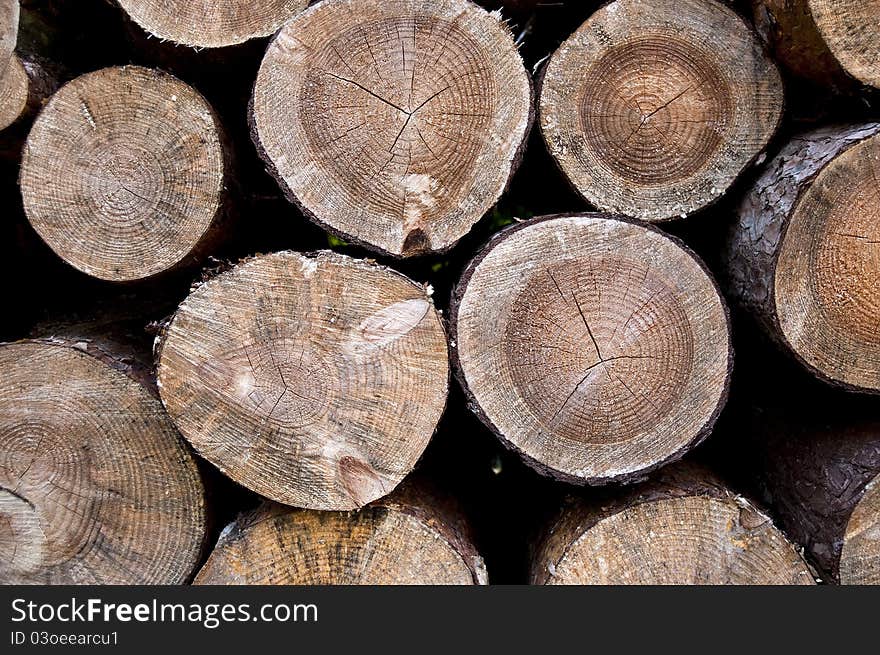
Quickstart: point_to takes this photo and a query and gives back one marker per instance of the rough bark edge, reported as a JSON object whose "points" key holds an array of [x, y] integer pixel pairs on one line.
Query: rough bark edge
{"points": [[774, 197], [543, 469], [757, 158], [810, 454], [214, 233], [133, 370], [113, 354], [415, 499], [292, 198], [422, 500], [42, 81], [226, 269], [682, 480]]}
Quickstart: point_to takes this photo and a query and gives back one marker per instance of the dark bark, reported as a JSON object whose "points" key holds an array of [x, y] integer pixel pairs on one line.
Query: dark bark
{"points": [[755, 240], [812, 468]]}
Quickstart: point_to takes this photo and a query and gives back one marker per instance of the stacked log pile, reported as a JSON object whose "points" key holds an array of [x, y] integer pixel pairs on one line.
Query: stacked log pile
{"points": [[386, 333]]}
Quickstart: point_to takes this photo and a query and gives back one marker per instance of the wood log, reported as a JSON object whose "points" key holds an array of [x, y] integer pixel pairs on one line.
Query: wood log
{"points": [[820, 471], [13, 92], [413, 536], [208, 24], [398, 144], [9, 16], [648, 117], [27, 79], [124, 174], [314, 380], [27, 84], [50, 44], [597, 348], [96, 486], [802, 256], [830, 42], [682, 527]]}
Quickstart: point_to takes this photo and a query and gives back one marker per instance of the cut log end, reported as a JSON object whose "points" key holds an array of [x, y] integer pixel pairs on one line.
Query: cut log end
{"points": [[209, 24], [315, 381], [96, 485], [14, 92], [648, 117], [123, 173], [381, 544], [396, 124], [827, 277], [9, 17], [851, 30], [692, 539], [860, 555], [609, 351], [789, 32]]}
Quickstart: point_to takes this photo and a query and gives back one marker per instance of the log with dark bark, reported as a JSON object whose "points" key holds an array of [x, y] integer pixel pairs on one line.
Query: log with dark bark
{"points": [[681, 527], [52, 45], [399, 144], [830, 42], [13, 92], [96, 485], [26, 80], [23, 89], [124, 174], [647, 116], [803, 254], [821, 474], [597, 348], [413, 536], [314, 380], [210, 24]]}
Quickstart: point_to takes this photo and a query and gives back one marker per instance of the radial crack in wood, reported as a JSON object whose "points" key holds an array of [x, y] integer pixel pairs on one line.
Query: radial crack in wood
{"points": [[314, 380], [402, 539], [682, 528], [395, 124], [597, 348], [123, 174], [96, 486], [211, 24], [647, 116]]}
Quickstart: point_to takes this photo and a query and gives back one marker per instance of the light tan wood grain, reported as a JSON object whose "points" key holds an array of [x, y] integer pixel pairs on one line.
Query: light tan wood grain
{"points": [[597, 348], [403, 539], [211, 24], [394, 123], [648, 115], [96, 485], [314, 380], [123, 173]]}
